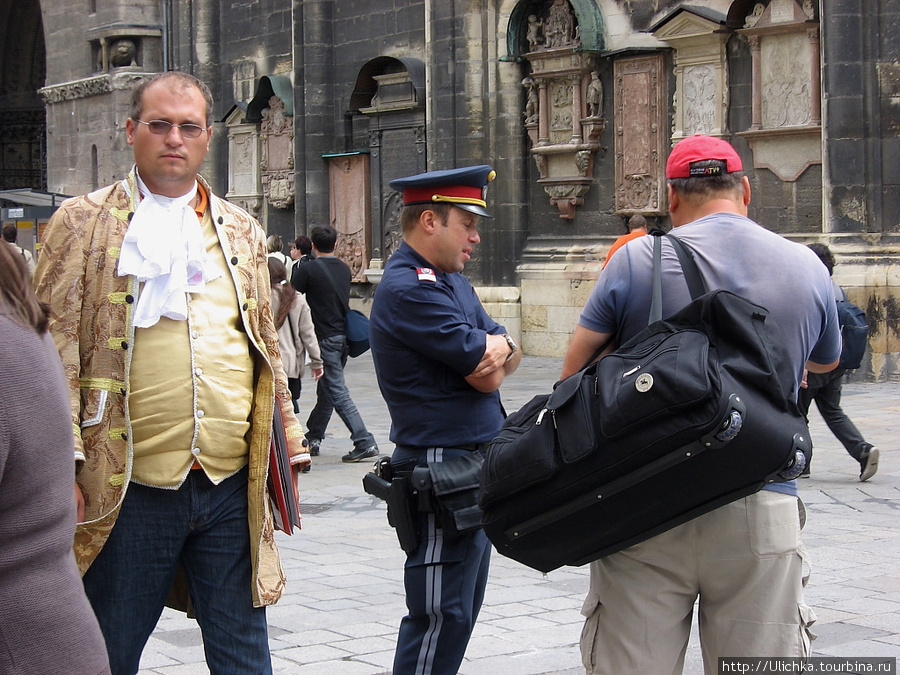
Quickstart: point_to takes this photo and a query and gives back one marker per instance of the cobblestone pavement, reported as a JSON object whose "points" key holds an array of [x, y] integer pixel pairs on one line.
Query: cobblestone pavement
{"points": [[344, 598]]}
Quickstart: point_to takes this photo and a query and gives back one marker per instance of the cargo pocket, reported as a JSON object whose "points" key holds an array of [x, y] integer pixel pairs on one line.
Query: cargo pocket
{"points": [[774, 527], [807, 619], [591, 611]]}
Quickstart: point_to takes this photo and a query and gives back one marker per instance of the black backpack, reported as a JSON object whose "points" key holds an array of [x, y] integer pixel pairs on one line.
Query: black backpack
{"points": [[854, 333]]}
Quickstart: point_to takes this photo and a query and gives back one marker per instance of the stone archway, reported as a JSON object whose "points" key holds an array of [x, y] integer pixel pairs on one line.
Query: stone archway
{"points": [[23, 67]]}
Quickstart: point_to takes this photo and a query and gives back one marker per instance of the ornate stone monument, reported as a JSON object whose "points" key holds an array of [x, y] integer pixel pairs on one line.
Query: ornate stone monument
{"points": [[563, 106]]}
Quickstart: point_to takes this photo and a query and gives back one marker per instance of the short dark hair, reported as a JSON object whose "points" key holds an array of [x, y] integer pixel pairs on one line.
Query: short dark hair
{"points": [[705, 186], [323, 238], [186, 79], [410, 215], [637, 222], [825, 255], [303, 244], [10, 233]]}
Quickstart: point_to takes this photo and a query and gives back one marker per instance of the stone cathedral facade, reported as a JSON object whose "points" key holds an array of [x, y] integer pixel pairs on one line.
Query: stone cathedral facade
{"points": [[575, 103]]}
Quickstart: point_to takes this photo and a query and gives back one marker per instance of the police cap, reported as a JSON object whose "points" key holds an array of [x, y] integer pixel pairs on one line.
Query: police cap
{"points": [[464, 188]]}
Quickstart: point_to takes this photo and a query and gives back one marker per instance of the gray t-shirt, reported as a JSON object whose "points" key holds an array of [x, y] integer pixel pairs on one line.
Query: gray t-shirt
{"points": [[735, 254]]}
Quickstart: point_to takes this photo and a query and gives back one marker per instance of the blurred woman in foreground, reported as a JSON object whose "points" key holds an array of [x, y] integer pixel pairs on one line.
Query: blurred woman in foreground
{"points": [[46, 622]]}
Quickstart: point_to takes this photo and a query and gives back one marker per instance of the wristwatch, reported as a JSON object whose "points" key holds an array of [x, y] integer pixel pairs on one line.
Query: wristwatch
{"points": [[512, 345]]}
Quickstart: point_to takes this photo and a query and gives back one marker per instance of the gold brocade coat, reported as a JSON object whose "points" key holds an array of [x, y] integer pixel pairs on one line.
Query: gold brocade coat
{"points": [[91, 323]]}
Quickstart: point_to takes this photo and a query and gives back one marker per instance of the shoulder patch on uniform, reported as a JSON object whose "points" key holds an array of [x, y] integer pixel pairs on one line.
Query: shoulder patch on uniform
{"points": [[426, 274]]}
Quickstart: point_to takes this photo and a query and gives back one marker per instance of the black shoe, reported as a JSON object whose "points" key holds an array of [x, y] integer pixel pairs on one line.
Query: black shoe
{"points": [[360, 453], [868, 463], [306, 468], [314, 444]]}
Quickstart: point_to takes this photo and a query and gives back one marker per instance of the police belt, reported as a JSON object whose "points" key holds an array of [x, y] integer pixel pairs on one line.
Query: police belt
{"points": [[448, 489]]}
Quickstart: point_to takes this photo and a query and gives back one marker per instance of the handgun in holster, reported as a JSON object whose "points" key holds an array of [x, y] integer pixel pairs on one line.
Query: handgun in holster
{"points": [[402, 509]]}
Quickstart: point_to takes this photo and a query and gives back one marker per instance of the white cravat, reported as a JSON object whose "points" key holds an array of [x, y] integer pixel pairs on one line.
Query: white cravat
{"points": [[163, 248]]}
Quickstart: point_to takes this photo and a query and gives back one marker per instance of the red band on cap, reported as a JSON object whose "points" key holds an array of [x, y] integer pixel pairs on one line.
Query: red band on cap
{"points": [[417, 195]]}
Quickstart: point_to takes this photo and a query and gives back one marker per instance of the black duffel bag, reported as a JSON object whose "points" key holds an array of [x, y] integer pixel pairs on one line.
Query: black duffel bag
{"points": [[694, 412]]}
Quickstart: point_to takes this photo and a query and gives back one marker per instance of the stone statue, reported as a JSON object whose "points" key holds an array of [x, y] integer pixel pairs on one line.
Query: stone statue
{"points": [[754, 16], [560, 24], [531, 101], [533, 35], [595, 95], [123, 53]]}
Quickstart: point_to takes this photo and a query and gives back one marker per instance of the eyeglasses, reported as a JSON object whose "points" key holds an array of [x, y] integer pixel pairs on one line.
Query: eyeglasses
{"points": [[162, 128]]}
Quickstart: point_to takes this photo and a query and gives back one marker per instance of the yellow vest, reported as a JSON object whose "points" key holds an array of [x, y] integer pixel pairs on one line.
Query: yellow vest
{"points": [[192, 386]]}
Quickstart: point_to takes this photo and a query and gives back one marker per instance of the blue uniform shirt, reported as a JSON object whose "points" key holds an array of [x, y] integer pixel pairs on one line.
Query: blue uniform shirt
{"points": [[427, 333]]}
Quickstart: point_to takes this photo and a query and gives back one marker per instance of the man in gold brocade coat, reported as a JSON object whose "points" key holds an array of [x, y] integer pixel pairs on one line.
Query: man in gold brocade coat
{"points": [[159, 299]]}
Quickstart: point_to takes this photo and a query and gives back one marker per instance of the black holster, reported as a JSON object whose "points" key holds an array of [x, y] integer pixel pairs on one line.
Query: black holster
{"points": [[401, 507], [447, 489], [450, 489]]}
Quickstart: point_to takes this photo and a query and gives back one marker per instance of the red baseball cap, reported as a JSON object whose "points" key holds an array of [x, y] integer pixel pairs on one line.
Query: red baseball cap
{"points": [[700, 148]]}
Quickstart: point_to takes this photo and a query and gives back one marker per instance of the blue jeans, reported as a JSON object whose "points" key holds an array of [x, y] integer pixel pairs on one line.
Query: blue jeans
{"points": [[205, 528], [332, 395]]}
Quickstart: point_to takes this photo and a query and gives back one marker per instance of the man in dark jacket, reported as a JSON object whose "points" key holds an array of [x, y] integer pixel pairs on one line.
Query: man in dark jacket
{"points": [[326, 283]]}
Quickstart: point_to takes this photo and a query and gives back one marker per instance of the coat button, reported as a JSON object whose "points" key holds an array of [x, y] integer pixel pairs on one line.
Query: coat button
{"points": [[245, 306], [234, 260], [221, 220], [124, 345], [129, 299], [124, 437], [130, 215]]}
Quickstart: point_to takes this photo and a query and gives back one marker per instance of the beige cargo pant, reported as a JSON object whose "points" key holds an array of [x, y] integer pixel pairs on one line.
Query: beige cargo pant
{"points": [[745, 562]]}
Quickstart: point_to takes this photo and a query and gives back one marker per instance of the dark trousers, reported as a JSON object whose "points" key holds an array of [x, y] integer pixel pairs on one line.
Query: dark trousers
{"points": [[444, 581], [295, 386], [204, 527], [825, 390]]}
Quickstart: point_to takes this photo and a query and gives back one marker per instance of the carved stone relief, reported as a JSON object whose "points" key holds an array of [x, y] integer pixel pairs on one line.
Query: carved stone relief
{"points": [[700, 101], [277, 162], [701, 71], [244, 186], [785, 133], [90, 86], [785, 83], [563, 106], [348, 179], [640, 135]]}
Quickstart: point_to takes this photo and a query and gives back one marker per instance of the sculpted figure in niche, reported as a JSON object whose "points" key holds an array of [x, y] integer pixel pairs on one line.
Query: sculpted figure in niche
{"points": [[533, 35], [531, 101], [754, 16], [560, 24], [123, 53], [595, 95]]}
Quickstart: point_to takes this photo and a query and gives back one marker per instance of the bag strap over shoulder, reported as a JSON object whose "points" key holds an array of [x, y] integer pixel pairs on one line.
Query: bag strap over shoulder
{"points": [[334, 285], [692, 277]]}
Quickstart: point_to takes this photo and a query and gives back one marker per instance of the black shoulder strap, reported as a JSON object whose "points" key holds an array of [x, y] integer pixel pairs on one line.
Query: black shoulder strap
{"points": [[689, 267], [695, 284], [334, 285]]}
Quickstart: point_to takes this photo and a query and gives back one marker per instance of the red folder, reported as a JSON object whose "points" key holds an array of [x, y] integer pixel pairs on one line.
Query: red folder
{"points": [[285, 509]]}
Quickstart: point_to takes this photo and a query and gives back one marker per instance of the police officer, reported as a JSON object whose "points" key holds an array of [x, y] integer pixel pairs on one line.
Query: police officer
{"points": [[439, 359]]}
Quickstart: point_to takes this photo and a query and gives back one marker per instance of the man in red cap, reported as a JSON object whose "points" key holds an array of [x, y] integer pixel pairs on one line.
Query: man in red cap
{"points": [[743, 560], [439, 359]]}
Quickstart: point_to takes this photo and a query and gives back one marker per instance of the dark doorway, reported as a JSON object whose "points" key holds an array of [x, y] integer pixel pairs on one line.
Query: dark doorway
{"points": [[23, 68]]}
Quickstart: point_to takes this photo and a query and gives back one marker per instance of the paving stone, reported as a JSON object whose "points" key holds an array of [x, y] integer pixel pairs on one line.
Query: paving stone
{"points": [[344, 598]]}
